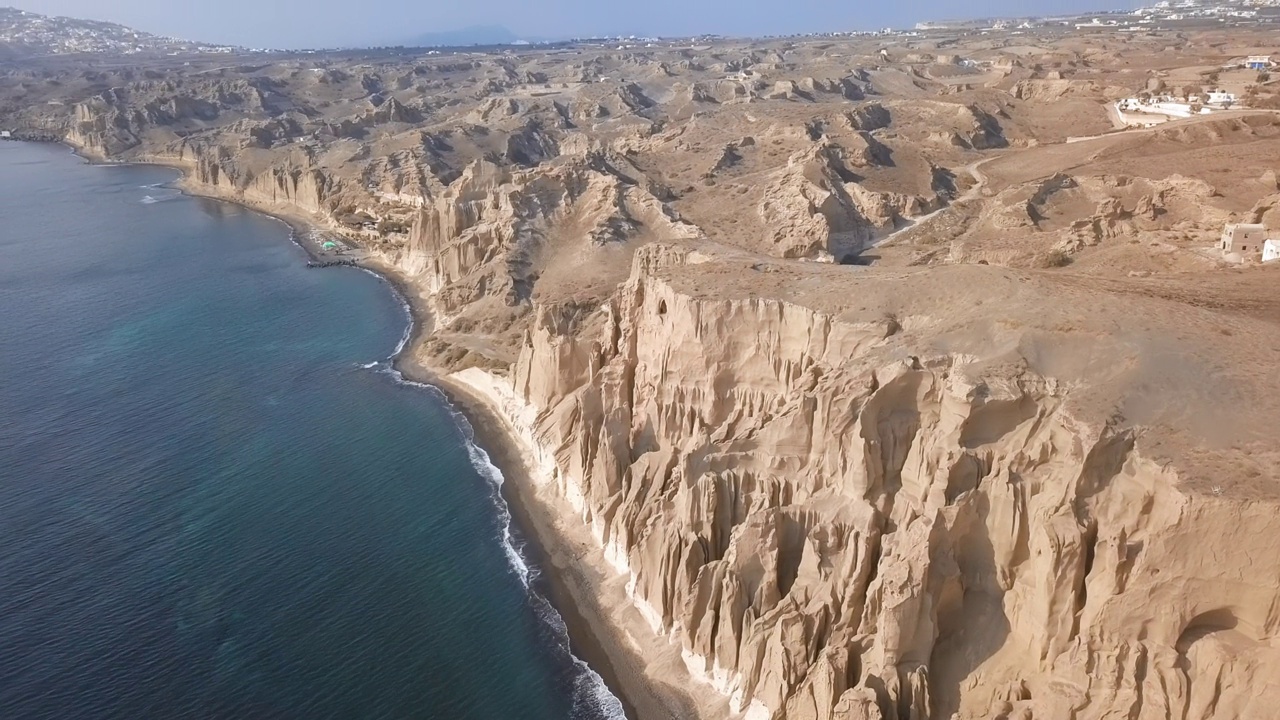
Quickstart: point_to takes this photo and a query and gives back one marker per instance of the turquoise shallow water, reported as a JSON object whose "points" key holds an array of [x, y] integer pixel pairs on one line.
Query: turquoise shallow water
{"points": [[210, 507]]}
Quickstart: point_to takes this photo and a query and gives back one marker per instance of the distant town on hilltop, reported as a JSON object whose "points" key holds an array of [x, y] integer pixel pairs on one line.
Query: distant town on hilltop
{"points": [[25, 32]]}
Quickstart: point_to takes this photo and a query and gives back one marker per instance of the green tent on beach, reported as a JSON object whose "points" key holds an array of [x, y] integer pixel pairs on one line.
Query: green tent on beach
{"points": [[330, 245]]}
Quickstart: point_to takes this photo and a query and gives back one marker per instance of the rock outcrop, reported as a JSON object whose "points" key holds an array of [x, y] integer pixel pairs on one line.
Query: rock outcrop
{"points": [[816, 210], [1072, 213]]}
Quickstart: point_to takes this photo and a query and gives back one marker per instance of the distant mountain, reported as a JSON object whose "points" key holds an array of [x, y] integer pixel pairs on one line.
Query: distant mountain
{"points": [[475, 35], [27, 33]]}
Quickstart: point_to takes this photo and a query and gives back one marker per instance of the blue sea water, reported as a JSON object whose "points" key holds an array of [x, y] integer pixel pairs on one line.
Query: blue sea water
{"points": [[212, 506]]}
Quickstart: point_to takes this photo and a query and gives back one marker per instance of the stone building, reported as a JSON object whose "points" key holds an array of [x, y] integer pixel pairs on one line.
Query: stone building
{"points": [[1243, 239]]}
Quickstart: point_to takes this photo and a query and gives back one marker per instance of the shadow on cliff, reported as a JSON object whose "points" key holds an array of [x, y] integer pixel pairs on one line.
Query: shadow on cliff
{"points": [[859, 259], [979, 630]]}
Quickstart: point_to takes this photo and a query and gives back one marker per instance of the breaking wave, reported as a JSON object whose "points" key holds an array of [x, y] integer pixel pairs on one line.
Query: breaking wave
{"points": [[408, 333], [592, 699], [490, 472], [160, 197]]}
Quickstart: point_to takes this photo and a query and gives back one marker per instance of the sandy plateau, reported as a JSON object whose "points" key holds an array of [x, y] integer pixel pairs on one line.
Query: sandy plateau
{"points": [[844, 384]]}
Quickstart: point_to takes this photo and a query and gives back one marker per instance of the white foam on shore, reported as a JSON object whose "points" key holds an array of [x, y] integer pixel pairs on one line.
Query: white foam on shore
{"points": [[484, 465], [404, 339], [153, 199], [410, 322], [409, 327], [293, 235], [591, 697]]}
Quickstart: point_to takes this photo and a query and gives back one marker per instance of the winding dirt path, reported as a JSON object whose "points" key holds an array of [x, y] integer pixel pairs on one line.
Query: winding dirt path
{"points": [[980, 183]]}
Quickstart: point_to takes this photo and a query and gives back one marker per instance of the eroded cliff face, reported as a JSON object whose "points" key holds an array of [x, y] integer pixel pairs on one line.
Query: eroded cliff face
{"points": [[293, 182], [486, 244], [834, 517]]}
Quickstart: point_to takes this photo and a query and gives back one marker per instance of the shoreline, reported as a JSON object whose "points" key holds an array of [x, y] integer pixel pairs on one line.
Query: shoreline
{"points": [[570, 587], [615, 636]]}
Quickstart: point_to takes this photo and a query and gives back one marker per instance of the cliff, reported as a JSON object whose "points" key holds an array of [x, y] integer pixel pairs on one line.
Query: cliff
{"points": [[863, 497]]}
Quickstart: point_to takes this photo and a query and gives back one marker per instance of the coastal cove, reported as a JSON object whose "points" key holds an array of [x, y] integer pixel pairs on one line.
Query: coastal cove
{"points": [[220, 494]]}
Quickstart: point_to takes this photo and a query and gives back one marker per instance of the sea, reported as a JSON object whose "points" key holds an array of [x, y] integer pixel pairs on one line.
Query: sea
{"points": [[218, 499]]}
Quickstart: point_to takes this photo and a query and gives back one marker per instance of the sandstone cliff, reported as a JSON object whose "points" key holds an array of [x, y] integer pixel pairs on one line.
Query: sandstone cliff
{"points": [[873, 500]]}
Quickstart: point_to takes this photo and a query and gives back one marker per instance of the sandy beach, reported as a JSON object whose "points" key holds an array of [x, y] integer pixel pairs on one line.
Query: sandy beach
{"points": [[605, 628]]}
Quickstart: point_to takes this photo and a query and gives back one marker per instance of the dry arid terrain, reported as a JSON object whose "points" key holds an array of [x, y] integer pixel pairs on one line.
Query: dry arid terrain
{"points": [[867, 377]]}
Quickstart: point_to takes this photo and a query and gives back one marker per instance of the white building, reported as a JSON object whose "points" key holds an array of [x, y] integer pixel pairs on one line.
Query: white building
{"points": [[1270, 250], [1258, 62], [1161, 106], [1217, 97], [1243, 239]]}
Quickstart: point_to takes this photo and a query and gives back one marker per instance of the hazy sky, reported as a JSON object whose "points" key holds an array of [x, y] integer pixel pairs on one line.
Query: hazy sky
{"points": [[328, 23]]}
